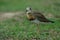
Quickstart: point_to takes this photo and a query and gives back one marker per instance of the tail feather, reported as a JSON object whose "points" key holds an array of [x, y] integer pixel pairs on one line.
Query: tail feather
{"points": [[49, 21]]}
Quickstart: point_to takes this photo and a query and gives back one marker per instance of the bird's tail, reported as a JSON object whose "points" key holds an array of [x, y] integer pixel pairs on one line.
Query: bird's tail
{"points": [[49, 21]]}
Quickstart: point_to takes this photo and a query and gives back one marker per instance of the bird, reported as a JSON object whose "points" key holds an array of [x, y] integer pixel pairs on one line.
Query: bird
{"points": [[36, 16]]}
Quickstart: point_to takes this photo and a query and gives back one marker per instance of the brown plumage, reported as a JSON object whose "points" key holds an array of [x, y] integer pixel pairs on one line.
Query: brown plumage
{"points": [[32, 15]]}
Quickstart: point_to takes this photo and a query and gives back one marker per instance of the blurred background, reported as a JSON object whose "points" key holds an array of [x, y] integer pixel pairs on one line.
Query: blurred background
{"points": [[15, 26]]}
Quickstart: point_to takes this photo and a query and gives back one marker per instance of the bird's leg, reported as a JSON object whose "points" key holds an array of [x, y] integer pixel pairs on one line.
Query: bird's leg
{"points": [[38, 30]]}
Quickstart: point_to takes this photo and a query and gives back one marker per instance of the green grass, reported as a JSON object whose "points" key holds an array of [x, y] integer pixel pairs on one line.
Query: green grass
{"points": [[12, 29]]}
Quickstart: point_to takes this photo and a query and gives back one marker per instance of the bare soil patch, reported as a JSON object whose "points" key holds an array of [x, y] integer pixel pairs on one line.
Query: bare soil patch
{"points": [[7, 15]]}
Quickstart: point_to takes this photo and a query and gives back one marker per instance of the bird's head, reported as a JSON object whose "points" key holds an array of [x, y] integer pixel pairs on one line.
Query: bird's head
{"points": [[28, 10]]}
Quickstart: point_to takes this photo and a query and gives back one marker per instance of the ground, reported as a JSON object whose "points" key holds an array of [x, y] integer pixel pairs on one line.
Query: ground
{"points": [[15, 26]]}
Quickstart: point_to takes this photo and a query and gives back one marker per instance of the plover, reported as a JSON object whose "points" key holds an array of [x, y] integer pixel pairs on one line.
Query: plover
{"points": [[35, 16]]}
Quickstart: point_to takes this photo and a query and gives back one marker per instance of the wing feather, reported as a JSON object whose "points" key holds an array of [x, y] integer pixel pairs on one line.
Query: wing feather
{"points": [[40, 16]]}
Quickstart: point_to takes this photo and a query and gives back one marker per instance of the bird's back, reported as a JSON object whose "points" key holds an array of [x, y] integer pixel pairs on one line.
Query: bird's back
{"points": [[39, 16]]}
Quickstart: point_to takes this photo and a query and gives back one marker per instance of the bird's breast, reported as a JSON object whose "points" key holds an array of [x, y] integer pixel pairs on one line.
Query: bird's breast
{"points": [[30, 17]]}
